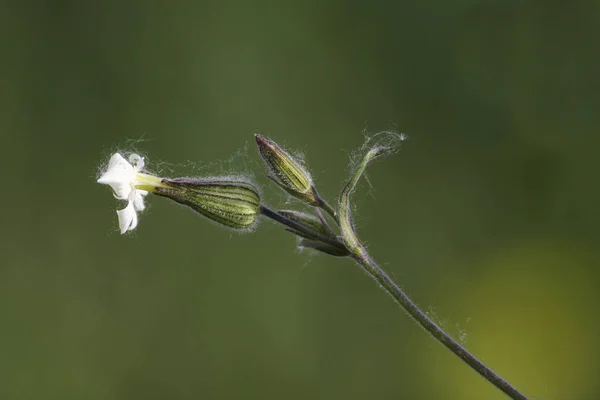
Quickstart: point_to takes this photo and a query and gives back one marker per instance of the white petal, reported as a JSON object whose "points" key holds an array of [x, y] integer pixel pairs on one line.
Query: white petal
{"points": [[137, 161], [138, 200], [127, 218], [117, 161], [119, 176]]}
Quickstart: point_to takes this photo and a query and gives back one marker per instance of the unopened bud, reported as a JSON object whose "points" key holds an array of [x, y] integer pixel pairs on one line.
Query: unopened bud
{"points": [[287, 172], [326, 248], [233, 203], [308, 220], [318, 236]]}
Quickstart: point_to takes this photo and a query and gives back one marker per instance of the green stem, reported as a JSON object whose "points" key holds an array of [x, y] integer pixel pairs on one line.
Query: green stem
{"points": [[324, 221], [331, 211], [371, 267]]}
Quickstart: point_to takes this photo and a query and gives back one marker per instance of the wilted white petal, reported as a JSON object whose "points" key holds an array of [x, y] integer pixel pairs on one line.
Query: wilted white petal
{"points": [[136, 161], [127, 218], [119, 176], [138, 200]]}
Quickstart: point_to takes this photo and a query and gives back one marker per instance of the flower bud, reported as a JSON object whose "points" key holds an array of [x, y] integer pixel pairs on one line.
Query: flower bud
{"points": [[233, 203], [287, 172], [323, 247], [308, 220], [318, 236]]}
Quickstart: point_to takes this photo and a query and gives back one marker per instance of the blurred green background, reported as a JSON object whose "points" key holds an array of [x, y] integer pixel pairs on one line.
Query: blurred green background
{"points": [[488, 217]]}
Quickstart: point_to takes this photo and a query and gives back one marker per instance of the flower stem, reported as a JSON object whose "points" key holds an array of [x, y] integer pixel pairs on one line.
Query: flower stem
{"points": [[331, 211], [360, 255], [371, 267]]}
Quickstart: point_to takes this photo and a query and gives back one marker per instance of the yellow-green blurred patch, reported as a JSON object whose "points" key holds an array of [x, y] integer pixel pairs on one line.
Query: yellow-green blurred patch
{"points": [[530, 318]]}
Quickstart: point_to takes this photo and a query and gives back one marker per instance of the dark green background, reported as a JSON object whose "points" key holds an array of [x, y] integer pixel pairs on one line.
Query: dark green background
{"points": [[488, 217]]}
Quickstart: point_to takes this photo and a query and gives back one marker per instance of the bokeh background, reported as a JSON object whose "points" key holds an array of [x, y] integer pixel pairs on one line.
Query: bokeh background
{"points": [[488, 217]]}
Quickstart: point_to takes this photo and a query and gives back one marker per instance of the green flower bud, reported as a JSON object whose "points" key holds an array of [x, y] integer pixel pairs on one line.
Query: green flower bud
{"points": [[287, 172], [230, 202], [323, 248], [308, 220], [321, 232]]}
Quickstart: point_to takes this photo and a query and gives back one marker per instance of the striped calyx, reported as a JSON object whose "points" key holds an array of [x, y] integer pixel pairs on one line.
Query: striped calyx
{"points": [[231, 202]]}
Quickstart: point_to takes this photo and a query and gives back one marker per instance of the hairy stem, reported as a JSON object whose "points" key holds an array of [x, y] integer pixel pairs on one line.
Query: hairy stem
{"points": [[331, 211], [324, 221], [432, 328], [360, 255]]}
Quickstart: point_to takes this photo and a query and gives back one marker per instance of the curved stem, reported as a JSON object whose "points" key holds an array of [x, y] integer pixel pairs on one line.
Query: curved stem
{"points": [[360, 255], [431, 327]]}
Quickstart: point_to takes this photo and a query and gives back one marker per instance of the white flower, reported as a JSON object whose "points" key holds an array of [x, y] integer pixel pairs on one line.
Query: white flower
{"points": [[124, 178]]}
